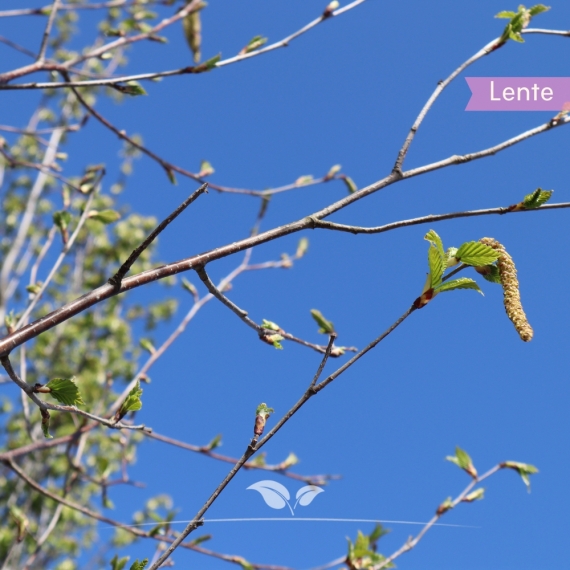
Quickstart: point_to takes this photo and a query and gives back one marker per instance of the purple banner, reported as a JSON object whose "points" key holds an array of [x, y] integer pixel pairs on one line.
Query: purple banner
{"points": [[519, 93]]}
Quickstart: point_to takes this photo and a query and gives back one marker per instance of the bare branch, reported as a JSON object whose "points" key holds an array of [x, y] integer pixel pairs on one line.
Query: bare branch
{"points": [[52, 14]]}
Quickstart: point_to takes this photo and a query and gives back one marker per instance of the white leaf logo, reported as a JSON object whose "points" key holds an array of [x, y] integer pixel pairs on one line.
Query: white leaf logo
{"points": [[273, 493], [305, 495]]}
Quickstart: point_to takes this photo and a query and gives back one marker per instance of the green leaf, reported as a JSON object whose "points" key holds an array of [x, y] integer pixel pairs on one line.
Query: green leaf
{"points": [[476, 253], [171, 175], [490, 272], [305, 179], [254, 44], [270, 325], [45, 424], [146, 343], [462, 460], [132, 402], [65, 391], [450, 255], [104, 216], [461, 283], [201, 539], [209, 64], [215, 443], [506, 14], [302, 247], [332, 172], [326, 327], [189, 287], [378, 532], [263, 410], [61, 219], [437, 258], [206, 169], [352, 188], [133, 88], [537, 198], [136, 565], [35, 288], [119, 563], [476, 495], [523, 469], [538, 9]]}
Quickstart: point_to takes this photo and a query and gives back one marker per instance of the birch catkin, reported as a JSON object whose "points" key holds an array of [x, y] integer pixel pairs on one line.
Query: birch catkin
{"points": [[512, 296]]}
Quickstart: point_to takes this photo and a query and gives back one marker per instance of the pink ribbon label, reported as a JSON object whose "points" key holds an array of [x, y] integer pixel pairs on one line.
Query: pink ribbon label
{"points": [[518, 93]]}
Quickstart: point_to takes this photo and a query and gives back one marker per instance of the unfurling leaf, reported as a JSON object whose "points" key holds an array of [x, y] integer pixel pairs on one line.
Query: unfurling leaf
{"points": [[289, 461], [305, 179], [104, 216], [302, 247], [462, 460], [332, 172], [523, 469], [490, 272], [255, 43], [147, 345], [437, 258], [536, 199], [192, 26], [476, 495], [189, 287], [119, 563], [21, 521], [262, 412], [34, 288], [270, 325], [475, 253], [61, 219], [519, 21], [45, 423], [206, 169], [351, 186], [65, 391], [133, 88], [273, 339], [208, 65], [132, 402], [215, 443], [326, 327], [444, 507], [461, 283], [136, 565], [171, 175], [331, 8]]}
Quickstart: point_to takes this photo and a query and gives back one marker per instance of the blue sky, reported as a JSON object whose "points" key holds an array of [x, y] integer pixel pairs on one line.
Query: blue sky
{"points": [[455, 373]]}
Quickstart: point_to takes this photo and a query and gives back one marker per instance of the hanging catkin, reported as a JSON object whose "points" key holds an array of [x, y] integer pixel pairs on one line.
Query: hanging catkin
{"points": [[512, 296]]}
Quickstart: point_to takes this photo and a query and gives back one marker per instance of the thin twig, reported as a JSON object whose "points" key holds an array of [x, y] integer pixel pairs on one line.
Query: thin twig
{"points": [[47, 31], [124, 269]]}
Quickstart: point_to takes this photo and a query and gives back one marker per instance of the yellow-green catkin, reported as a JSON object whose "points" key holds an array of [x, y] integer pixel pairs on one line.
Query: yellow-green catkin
{"points": [[512, 296]]}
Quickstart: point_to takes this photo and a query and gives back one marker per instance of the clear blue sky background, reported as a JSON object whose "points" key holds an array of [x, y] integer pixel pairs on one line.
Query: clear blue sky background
{"points": [[455, 373]]}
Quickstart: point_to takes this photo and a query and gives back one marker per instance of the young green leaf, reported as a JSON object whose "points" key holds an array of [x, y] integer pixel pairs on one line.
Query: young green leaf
{"points": [[119, 563], [171, 175], [270, 325], [136, 565], [437, 258], [206, 169], [490, 272], [536, 198], [351, 186], [146, 343], [302, 247], [444, 507], [476, 253], [462, 460], [332, 172], [104, 216], [215, 443], [326, 327], [189, 287], [133, 88], [208, 65], [476, 495], [45, 424], [254, 44], [61, 219], [132, 402], [65, 391], [461, 283], [523, 469], [200, 539]]}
